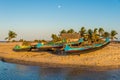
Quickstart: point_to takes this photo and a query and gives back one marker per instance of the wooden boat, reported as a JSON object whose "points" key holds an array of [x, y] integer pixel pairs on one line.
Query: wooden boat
{"points": [[54, 46], [21, 48], [41, 46], [38, 47], [76, 43], [71, 49]]}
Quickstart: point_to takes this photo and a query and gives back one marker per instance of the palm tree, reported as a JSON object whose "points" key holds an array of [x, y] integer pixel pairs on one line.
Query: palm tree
{"points": [[11, 35], [82, 31], [95, 35], [63, 31], [106, 35], [36, 40], [55, 38], [70, 31], [89, 32], [95, 31], [113, 33], [101, 31]]}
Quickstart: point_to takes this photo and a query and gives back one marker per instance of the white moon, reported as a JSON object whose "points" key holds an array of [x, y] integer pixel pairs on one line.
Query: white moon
{"points": [[59, 6]]}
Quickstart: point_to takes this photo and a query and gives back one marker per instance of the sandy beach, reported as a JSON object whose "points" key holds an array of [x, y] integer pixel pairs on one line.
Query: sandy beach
{"points": [[107, 57]]}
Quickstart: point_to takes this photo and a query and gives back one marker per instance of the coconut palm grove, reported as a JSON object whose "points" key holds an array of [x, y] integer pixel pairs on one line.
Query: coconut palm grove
{"points": [[89, 35]]}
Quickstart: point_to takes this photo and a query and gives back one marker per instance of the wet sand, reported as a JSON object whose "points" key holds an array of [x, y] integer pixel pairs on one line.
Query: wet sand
{"points": [[106, 58]]}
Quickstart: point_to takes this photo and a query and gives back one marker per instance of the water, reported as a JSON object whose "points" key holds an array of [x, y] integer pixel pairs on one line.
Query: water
{"points": [[10, 71]]}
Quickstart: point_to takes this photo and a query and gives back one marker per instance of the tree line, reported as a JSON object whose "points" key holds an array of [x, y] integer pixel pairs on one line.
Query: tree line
{"points": [[89, 35]]}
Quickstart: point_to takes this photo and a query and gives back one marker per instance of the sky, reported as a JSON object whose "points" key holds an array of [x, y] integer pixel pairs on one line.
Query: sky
{"points": [[38, 19]]}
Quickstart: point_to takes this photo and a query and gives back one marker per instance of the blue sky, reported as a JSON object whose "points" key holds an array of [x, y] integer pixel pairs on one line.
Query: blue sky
{"points": [[38, 19]]}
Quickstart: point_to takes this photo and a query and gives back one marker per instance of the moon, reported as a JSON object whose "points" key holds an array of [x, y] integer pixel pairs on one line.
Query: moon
{"points": [[59, 6]]}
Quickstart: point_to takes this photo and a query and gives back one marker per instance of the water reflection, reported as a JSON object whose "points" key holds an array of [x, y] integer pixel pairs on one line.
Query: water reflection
{"points": [[21, 72]]}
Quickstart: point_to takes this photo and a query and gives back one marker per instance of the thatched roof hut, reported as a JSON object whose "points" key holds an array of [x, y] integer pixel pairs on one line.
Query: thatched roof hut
{"points": [[70, 36]]}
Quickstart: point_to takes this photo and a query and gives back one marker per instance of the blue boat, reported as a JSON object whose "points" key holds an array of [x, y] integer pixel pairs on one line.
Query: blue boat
{"points": [[81, 40], [69, 49], [41, 47]]}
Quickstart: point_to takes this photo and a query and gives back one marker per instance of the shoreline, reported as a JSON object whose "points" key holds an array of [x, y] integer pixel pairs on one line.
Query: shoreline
{"points": [[98, 60], [58, 65]]}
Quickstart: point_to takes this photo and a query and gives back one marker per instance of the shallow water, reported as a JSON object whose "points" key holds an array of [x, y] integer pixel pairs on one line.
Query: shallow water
{"points": [[10, 71]]}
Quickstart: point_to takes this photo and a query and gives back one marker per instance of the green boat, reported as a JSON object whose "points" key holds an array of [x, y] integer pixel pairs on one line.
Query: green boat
{"points": [[21, 48]]}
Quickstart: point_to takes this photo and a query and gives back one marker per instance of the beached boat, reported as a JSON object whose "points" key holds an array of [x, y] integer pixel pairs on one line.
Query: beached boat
{"points": [[21, 48], [81, 40], [63, 48], [76, 49], [38, 47], [42, 47], [54, 46]]}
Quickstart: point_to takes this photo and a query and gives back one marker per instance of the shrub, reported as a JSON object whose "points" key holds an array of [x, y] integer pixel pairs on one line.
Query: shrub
{"points": [[26, 43]]}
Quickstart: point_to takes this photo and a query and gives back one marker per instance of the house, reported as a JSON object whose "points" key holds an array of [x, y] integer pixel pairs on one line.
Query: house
{"points": [[70, 37]]}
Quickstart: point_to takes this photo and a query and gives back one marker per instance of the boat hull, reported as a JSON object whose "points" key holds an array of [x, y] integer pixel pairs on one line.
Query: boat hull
{"points": [[46, 48], [20, 50], [87, 50]]}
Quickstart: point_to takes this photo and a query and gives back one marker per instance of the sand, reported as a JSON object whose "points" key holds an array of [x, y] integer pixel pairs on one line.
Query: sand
{"points": [[107, 57]]}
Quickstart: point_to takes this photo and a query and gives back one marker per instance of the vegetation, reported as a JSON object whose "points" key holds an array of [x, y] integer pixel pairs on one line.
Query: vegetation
{"points": [[63, 31], [70, 31], [91, 36], [101, 31], [55, 38], [43, 41], [13, 40], [11, 35], [82, 31], [26, 43], [21, 40], [36, 40], [106, 34], [90, 32], [113, 34]]}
